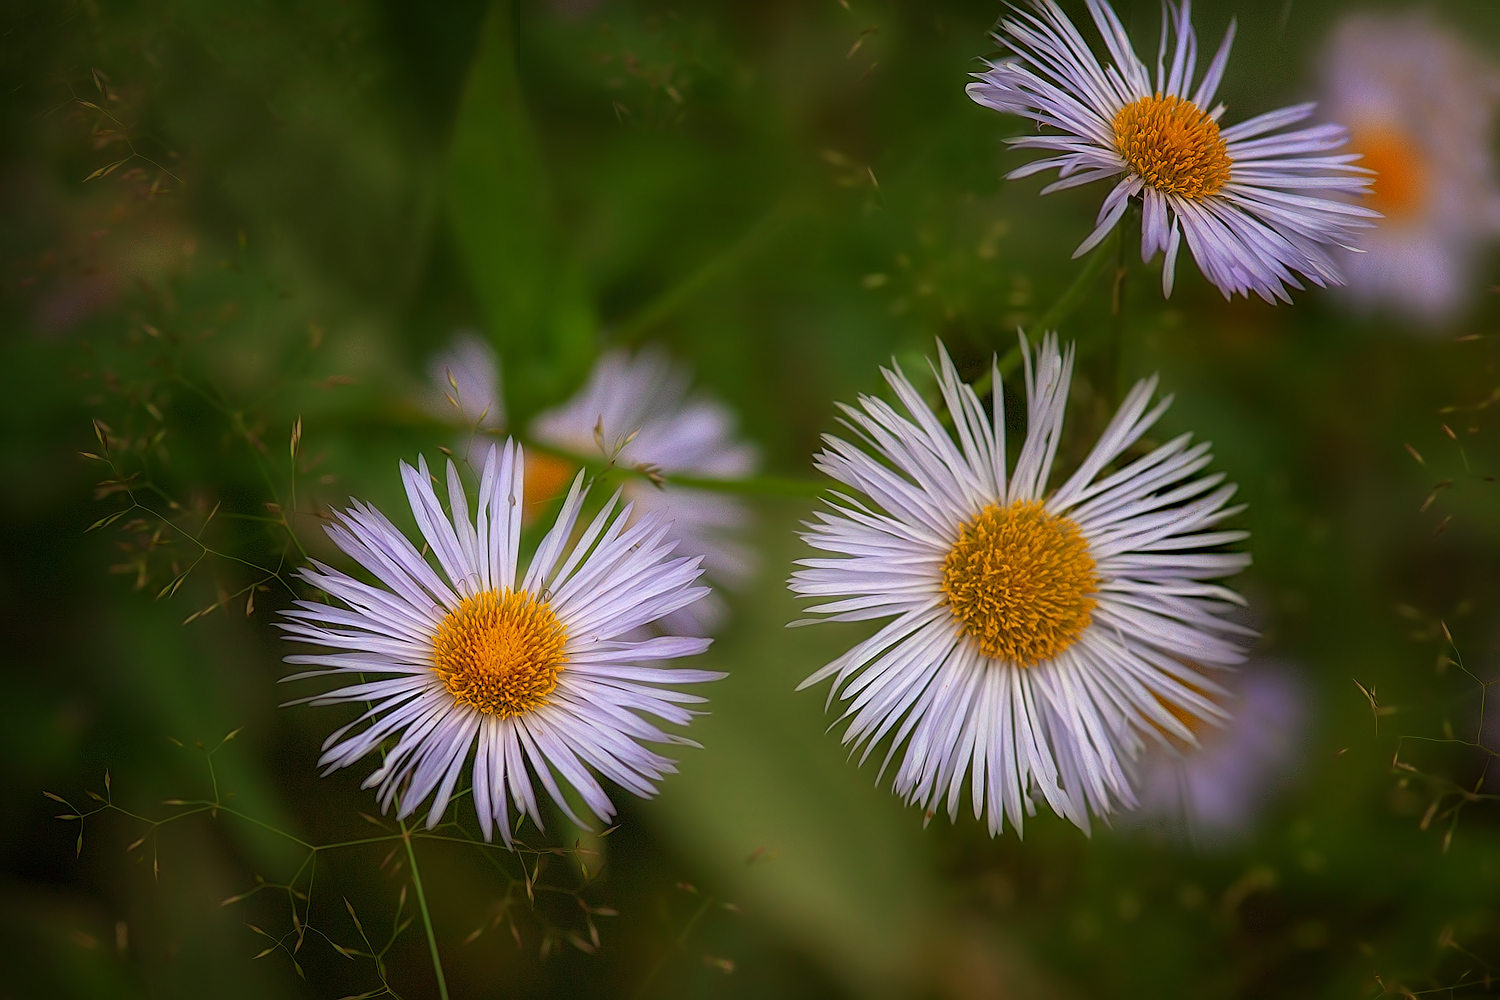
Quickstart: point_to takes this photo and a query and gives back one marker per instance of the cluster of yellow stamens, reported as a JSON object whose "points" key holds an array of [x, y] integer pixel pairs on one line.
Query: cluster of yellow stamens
{"points": [[500, 652], [1021, 582], [1173, 145]]}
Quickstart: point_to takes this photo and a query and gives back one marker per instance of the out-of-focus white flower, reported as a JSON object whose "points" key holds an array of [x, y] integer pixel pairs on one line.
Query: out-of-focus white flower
{"points": [[1037, 636], [465, 384], [533, 670], [1216, 789], [1246, 198], [1420, 105], [637, 409]]}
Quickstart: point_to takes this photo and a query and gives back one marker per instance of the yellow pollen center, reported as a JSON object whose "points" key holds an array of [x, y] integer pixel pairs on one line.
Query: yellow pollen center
{"points": [[1400, 175], [1173, 145], [1021, 582], [500, 652]]}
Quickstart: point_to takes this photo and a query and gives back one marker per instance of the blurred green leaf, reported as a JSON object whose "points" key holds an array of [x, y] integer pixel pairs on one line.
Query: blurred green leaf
{"points": [[532, 293], [787, 824]]}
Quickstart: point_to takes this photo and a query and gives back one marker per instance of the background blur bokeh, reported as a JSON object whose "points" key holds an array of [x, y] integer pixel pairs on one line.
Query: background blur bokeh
{"points": [[308, 199]]}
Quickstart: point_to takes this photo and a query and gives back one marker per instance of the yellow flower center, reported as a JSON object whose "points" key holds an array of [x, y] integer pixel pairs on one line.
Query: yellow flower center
{"points": [[500, 652], [1173, 145], [1400, 175], [1021, 582]]}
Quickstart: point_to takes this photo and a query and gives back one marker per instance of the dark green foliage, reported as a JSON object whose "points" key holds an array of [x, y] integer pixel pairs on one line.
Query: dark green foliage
{"points": [[226, 221]]}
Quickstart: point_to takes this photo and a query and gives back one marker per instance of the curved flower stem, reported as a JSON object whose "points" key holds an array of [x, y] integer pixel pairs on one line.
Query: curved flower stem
{"points": [[769, 227], [416, 881], [677, 945], [1113, 248], [1128, 231]]}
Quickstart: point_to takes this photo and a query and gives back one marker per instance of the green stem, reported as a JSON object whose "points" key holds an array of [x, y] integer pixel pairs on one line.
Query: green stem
{"points": [[677, 946], [1128, 231], [1113, 246], [777, 486], [416, 881], [716, 267], [1061, 308], [774, 486]]}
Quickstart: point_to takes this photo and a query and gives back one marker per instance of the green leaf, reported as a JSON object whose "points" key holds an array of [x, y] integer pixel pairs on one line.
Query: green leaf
{"points": [[536, 306], [773, 810]]}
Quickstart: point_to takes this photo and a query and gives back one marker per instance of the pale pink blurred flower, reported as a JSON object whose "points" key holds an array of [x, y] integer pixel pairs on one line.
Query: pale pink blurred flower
{"points": [[1420, 105], [465, 385], [638, 410], [1216, 791]]}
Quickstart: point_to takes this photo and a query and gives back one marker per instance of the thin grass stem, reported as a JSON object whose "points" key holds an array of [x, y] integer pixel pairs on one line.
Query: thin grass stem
{"points": [[416, 881]]}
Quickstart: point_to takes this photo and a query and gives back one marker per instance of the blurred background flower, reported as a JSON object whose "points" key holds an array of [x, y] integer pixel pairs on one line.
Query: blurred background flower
{"points": [[1420, 104], [1215, 793], [464, 384], [635, 410]]}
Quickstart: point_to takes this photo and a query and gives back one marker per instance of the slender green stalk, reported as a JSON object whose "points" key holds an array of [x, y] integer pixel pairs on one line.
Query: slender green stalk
{"points": [[677, 945], [772, 486], [598, 467], [1061, 308], [716, 267], [1112, 247], [1128, 232], [416, 881]]}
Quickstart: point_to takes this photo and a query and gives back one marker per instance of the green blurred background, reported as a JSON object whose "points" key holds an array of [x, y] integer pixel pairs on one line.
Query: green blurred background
{"points": [[314, 196]]}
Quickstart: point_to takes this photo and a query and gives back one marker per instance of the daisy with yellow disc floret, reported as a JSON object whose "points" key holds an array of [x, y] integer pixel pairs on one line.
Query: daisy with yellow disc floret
{"points": [[639, 411], [1244, 197], [1038, 640], [1421, 104], [531, 672]]}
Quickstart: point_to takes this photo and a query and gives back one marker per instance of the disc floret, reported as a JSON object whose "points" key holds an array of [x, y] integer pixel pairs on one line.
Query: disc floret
{"points": [[1173, 145], [1021, 582], [500, 652]]}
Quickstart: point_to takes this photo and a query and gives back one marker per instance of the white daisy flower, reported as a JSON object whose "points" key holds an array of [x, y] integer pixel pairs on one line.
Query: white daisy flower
{"points": [[1420, 105], [638, 410], [464, 386], [531, 672], [1038, 638], [1215, 791], [1243, 197]]}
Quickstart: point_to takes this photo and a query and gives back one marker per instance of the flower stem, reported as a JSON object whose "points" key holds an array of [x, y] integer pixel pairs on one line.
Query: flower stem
{"points": [[1062, 308], [1128, 231], [677, 945], [600, 466], [770, 226], [416, 881]]}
